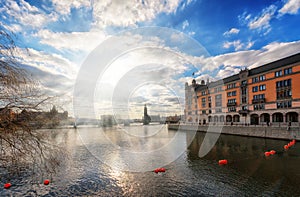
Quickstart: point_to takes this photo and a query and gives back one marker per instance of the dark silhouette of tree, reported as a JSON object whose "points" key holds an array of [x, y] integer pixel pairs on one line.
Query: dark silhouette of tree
{"points": [[20, 117]]}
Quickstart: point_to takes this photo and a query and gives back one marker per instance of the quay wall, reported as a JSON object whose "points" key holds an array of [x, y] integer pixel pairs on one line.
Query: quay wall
{"points": [[251, 131]]}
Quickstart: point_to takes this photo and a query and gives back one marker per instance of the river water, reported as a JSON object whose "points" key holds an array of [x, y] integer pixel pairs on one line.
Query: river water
{"points": [[248, 172]]}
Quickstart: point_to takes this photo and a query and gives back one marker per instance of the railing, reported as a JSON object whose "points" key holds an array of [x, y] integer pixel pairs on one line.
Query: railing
{"points": [[260, 100], [231, 104]]}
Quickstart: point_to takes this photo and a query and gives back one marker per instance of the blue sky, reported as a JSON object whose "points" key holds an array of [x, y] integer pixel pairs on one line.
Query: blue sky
{"points": [[54, 37]]}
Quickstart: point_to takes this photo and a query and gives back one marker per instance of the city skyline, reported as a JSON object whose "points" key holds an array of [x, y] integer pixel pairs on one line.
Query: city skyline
{"points": [[54, 38]]}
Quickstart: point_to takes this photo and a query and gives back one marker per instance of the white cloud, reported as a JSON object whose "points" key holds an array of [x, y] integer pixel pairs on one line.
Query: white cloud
{"points": [[291, 7], [262, 22], [231, 31], [238, 45], [253, 58], [74, 41], [64, 7], [50, 63], [26, 14], [128, 13], [185, 24]]}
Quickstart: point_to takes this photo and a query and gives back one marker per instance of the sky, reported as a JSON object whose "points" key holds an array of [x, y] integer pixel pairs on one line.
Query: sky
{"points": [[213, 39]]}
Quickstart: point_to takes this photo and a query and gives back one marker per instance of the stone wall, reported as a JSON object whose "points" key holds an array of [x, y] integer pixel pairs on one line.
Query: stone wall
{"points": [[253, 131]]}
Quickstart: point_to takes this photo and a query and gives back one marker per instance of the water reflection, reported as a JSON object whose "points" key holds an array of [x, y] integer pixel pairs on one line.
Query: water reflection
{"points": [[248, 172], [246, 157]]}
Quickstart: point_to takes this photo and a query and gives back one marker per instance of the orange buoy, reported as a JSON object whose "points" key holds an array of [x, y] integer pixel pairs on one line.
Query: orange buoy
{"points": [[46, 182], [223, 162], [272, 152], [286, 147], [267, 154], [7, 185]]}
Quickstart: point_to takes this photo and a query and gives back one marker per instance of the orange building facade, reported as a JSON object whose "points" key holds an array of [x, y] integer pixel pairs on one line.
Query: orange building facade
{"points": [[265, 95]]}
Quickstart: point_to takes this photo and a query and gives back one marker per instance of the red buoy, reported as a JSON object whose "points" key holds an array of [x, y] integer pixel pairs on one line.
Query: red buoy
{"points": [[46, 182], [267, 154], [157, 170], [286, 147], [272, 152], [223, 162], [7, 185]]}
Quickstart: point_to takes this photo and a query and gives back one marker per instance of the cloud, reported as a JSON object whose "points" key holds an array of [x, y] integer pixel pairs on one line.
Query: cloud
{"points": [[26, 14], [73, 41], [238, 45], [64, 7], [51, 63], [291, 7], [231, 31], [254, 58], [185, 24], [129, 13], [262, 22]]}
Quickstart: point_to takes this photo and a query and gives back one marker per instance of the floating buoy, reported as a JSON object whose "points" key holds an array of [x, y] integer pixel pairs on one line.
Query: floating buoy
{"points": [[286, 147], [223, 162], [157, 170], [46, 182], [272, 152], [267, 154], [7, 185], [294, 141]]}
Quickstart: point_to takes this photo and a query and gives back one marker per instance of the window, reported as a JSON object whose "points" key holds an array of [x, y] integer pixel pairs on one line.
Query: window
{"points": [[258, 96], [285, 104], [244, 108], [203, 92], [288, 71], [218, 101], [218, 110], [255, 89], [278, 73], [231, 109], [244, 100], [203, 102], [231, 100], [209, 98], [234, 93], [203, 111], [229, 94], [262, 77], [244, 82], [259, 106], [262, 87], [284, 83], [229, 86], [254, 79]]}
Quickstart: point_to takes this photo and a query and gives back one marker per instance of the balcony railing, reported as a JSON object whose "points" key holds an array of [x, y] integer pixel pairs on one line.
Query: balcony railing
{"points": [[260, 100], [231, 104], [245, 111]]}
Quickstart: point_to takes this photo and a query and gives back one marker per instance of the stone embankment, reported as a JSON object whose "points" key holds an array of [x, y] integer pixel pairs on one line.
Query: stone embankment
{"points": [[251, 131]]}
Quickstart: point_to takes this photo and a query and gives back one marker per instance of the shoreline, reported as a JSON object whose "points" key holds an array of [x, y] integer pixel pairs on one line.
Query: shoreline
{"points": [[279, 133]]}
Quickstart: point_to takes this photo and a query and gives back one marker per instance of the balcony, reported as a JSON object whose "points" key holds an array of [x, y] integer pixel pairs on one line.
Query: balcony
{"points": [[260, 100], [244, 111], [231, 104]]}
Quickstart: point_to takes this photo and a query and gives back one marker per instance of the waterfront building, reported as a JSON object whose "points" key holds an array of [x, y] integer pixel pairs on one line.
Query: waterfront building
{"points": [[265, 95]]}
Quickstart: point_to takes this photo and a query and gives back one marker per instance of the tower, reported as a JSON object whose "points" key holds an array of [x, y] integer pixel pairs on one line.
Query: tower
{"points": [[146, 119]]}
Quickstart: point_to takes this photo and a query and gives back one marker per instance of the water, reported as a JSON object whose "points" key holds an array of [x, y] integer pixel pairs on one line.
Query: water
{"points": [[248, 172]]}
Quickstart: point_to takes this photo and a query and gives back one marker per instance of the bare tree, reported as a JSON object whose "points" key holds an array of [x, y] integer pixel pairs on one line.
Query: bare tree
{"points": [[21, 101]]}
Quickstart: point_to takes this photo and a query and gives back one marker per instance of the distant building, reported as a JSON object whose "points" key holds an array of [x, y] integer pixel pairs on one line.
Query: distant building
{"points": [[108, 120], [268, 94]]}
